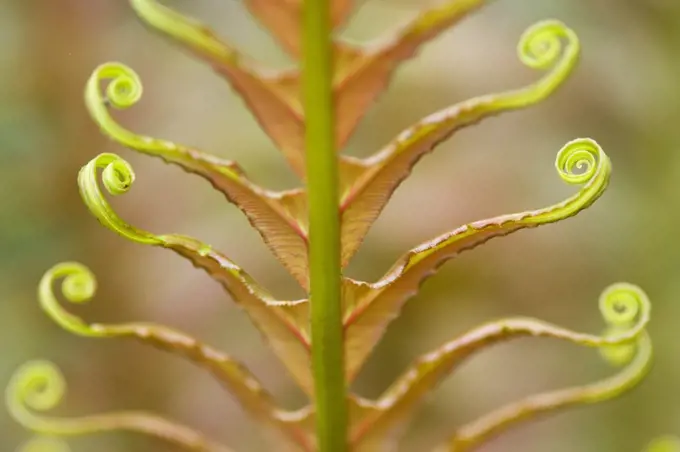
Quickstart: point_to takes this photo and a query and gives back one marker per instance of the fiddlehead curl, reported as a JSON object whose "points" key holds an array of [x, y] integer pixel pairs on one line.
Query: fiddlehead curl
{"points": [[621, 303], [477, 432], [40, 386], [541, 44], [245, 291], [117, 176], [546, 45], [124, 89], [549, 46], [36, 386], [78, 286], [626, 309], [580, 162], [580, 154]]}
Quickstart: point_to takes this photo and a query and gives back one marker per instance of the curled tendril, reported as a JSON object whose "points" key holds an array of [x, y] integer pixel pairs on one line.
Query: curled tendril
{"points": [[545, 45], [45, 444], [430, 369], [40, 386], [620, 305], [124, 90], [579, 154], [78, 286], [626, 310], [117, 177], [482, 429], [37, 386], [541, 44]]}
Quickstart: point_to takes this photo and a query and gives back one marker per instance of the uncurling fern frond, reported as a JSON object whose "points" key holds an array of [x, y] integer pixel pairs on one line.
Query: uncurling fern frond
{"points": [[79, 285], [471, 435], [279, 321], [376, 305], [279, 217], [40, 386], [361, 72], [273, 98], [283, 104], [621, 305], [547, 45]]}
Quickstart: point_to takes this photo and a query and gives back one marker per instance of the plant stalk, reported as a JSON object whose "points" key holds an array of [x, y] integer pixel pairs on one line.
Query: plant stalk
{"points": [[324, 229]]}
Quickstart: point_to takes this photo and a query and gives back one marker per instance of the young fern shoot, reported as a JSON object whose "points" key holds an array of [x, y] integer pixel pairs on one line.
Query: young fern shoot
{"points": [[324, 339]]}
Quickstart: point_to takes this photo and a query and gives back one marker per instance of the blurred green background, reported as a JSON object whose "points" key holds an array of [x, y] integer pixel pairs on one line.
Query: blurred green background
{"points": [[625, 94]]}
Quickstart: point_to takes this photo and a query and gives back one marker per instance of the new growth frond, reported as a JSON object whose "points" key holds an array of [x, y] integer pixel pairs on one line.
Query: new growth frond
{"points": [[360, 73], [40, 386]]}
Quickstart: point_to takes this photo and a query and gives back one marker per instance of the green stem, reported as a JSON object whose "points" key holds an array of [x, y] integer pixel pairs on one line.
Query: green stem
{"points": [[324, 229]]}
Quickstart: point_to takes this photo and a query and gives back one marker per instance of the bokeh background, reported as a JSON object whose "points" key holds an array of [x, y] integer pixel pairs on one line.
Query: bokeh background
{"points": [[625, 94]]}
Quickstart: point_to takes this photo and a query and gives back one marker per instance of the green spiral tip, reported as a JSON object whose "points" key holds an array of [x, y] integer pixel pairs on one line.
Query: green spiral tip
{"points": [[626, 310], [124, 89], [578, 161], [622, 303], [548, 46], [36, 386], [44, 444], [78, 286], [117, 176], [39, 386], [666, 443], [542, 44]]}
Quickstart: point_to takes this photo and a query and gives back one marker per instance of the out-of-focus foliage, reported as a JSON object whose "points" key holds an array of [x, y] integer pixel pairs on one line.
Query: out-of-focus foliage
{"points": [[664, 444], [500, 162]]}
